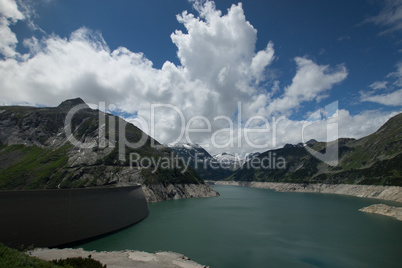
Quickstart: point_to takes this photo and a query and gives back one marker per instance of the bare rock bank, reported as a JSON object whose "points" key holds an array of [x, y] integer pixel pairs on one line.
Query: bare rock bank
{"points": [[391, 193], [162, 192], [382, 209], [120, 259]]}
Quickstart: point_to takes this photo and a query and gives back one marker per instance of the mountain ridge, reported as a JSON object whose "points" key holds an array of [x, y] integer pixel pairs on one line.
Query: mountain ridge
{"points": [[206, 166], [37, 153], [34, 145], [374, 159]]}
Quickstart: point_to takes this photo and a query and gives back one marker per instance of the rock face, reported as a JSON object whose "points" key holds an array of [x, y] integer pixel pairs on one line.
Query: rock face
{"points": [[381, 209], [392, 193], [74, 146], [160, 192]]}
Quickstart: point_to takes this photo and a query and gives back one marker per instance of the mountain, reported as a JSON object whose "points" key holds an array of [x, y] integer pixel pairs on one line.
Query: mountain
{"points": [[374, 159], [206, 166], [38, 152], [250, 156], [192, 151], [229, 161]]}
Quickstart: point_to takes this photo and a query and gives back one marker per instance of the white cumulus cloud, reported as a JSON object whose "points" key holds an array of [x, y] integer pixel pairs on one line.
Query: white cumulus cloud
{"points": [[9, 14], [309, 83], [219, 69], [9, 9]]}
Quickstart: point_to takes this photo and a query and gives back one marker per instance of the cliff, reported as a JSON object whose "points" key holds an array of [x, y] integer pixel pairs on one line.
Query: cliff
{"points": [[161, 192]]}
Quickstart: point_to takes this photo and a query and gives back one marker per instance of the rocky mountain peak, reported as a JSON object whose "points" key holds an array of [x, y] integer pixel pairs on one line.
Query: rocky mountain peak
{"points": [[68, 104], [311, 142], [288, 145], [35, 152]]}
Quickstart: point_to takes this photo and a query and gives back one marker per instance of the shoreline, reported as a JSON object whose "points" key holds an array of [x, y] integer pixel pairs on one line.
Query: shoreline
{"points": [[162, 192], [386, 193], [134, 258], [385, 210], [120, 259]]}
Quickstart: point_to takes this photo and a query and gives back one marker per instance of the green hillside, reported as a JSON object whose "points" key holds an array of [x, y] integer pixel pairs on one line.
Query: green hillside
{"points": [[375, 159], [36, 154]]}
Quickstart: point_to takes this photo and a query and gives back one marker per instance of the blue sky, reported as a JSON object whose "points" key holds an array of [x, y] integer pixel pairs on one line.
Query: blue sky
{"points": [[351, 50]]}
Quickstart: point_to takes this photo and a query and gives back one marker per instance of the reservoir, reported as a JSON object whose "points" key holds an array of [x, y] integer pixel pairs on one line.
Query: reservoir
{"points": [[248, 227]]}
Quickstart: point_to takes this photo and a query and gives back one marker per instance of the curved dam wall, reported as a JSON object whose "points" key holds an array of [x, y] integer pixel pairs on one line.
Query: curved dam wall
{"points": [[48, 218]]}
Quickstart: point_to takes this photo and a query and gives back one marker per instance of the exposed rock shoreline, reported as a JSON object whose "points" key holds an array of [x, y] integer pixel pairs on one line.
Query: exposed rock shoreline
{"points": [[120, 259], [162, 192], [382, 209], [390, 193]]}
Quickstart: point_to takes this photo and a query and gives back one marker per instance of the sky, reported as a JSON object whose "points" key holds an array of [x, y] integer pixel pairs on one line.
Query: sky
{"points": [[248, 75]]}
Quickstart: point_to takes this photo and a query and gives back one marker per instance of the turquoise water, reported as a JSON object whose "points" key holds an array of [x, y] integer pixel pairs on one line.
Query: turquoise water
{"points": [[247, 227]]}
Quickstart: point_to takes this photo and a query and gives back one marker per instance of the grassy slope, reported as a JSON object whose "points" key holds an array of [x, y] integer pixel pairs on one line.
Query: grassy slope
{"points": [[31, 167], [374, 159], [14, 258], [39, 166]]}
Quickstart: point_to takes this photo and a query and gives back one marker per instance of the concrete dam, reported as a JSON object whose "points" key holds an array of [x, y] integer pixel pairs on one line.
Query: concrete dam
{"points": [[49, 218]]}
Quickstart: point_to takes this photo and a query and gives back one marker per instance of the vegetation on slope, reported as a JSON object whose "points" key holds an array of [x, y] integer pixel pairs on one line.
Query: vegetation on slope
{"points": [[35, 152], [375, 159], [31, 167], [13, 258]]}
